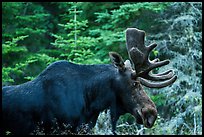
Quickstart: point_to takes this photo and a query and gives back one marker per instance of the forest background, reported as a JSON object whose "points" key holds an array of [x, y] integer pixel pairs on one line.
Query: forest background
{"points": [[35, 34]]}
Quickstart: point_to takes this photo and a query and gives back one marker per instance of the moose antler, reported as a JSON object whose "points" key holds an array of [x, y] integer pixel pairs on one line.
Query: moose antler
{"points": [[139, 54]]}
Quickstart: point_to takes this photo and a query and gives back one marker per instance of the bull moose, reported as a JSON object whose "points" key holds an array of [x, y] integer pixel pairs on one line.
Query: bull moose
{"points": [[76, 94]]}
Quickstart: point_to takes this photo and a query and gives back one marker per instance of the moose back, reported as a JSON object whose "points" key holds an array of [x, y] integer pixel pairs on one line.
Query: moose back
{"points": [[75, 94]]}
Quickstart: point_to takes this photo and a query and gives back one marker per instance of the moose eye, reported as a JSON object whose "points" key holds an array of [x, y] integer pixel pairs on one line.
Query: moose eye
{"points": [[135, 84]]}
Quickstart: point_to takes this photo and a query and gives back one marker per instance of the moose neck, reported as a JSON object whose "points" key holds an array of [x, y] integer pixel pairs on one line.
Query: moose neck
{"points": [[98, 94]]}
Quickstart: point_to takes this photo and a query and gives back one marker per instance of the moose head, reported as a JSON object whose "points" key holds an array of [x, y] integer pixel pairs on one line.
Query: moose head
{"points": [[142, 108]]}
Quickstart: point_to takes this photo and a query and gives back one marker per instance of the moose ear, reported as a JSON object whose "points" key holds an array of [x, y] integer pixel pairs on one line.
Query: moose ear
{"points": [[117, 61]]}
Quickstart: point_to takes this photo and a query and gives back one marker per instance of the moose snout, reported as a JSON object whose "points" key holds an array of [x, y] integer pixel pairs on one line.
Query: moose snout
{"points": [[149, 115]]}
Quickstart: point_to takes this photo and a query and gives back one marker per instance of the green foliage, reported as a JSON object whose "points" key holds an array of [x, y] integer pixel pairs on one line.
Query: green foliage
{"points": [[5, 74], [159, 100], [73, 35], [74, 47], [126, 13], [11, 46], [127, 118], [11, 51], [21, 60]]}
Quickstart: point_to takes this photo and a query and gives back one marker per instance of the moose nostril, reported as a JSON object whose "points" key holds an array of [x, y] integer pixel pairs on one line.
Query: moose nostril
{"points": [[148, 124], [150, 121], [150, 116]]}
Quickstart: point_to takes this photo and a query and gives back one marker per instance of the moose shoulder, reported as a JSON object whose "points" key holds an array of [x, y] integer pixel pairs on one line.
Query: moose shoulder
{"points": [[76, 94]]}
